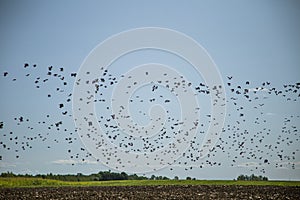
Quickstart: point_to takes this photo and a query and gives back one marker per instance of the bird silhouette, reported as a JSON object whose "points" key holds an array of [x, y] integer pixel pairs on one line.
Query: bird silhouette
{"points": [[248, 138]]}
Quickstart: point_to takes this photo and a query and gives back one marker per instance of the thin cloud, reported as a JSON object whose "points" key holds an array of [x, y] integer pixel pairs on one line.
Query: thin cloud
{"points": [[259, 89], [7, 165], [271, 114], [70, 161], [249, 164], [194, 166]]}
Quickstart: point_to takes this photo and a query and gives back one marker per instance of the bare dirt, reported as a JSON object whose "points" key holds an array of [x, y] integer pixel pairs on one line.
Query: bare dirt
{"points": [[153, 192]]}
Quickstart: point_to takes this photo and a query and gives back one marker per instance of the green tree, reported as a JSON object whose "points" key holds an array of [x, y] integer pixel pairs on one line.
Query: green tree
{"points": [[252, 177], [241, 178], [124, 176]]}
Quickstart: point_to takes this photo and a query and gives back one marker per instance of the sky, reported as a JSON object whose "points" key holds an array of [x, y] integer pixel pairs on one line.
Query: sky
{"points": [[255, 41]]}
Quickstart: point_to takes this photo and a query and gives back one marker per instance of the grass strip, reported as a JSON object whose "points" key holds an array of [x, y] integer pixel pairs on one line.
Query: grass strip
{"points": [[39, 182]]}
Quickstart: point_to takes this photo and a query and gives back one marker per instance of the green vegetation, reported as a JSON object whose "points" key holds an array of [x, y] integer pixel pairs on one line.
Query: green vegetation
{"points": [[251, 178], [101, 176], [39, 182], [108, 178]]}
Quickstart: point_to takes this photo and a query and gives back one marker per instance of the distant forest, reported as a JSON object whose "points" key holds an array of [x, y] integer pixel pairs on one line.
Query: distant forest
{"points": [[101, 176], [108, 176]]}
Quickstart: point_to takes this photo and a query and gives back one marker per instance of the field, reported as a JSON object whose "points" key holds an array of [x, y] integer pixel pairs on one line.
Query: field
{"points": [[38, 182], [34, 188]]}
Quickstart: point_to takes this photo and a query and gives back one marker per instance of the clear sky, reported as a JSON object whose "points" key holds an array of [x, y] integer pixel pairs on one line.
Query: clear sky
{"points": [[255, 41]]}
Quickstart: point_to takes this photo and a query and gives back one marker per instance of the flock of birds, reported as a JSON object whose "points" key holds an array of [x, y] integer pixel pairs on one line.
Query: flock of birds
{"points": [[248, 136]]}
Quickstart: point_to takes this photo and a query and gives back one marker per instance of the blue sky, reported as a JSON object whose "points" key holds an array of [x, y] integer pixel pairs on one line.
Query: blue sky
{"points": [[249, 40]]}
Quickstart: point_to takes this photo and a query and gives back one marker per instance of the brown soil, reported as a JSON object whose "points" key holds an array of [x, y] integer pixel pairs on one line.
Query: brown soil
{"points": [[154, 192]]}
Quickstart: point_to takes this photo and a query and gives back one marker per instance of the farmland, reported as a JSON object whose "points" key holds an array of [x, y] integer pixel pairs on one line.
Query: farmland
{"points": [[39, 182], [36, 188]]}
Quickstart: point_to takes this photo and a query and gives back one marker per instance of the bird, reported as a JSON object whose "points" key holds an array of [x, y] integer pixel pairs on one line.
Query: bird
{"points": [[237, 142]]}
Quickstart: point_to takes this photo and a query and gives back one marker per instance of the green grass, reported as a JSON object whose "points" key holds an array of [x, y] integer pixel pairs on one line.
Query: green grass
{"points": [[38, 182]]}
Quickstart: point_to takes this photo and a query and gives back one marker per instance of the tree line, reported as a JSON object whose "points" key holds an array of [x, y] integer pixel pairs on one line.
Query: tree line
{"points": [[101, 176], [109, 175], [251, 178]]}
